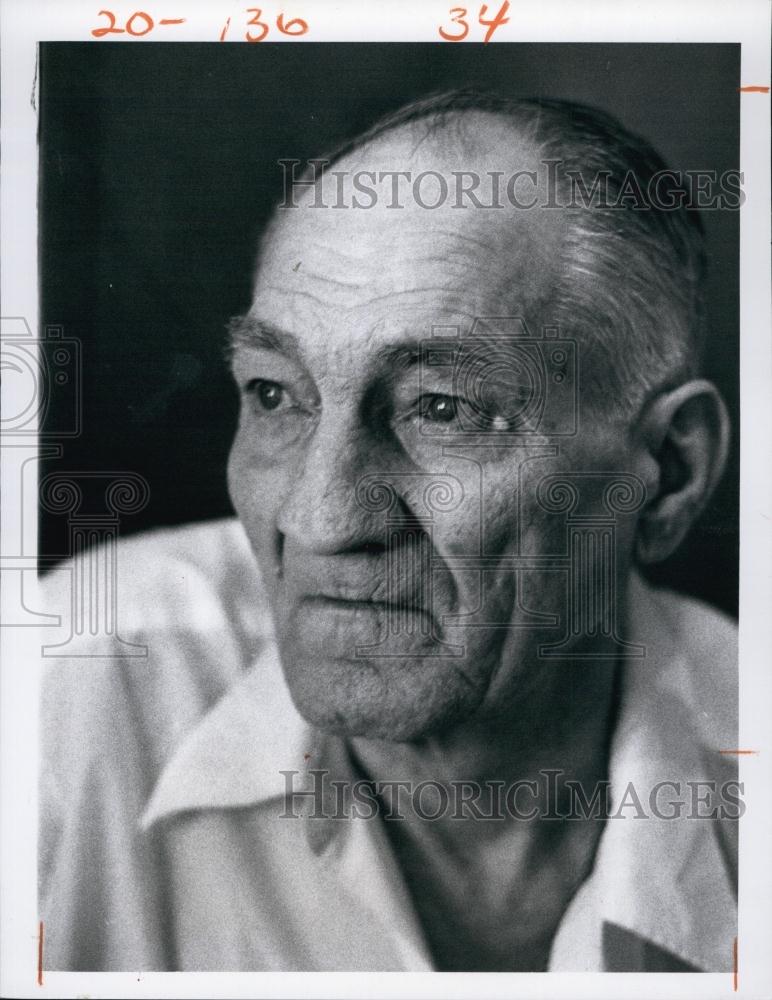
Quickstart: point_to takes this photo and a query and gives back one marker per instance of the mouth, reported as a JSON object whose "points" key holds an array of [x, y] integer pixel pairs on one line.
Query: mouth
{"points": [[350, 621], [327, 602]]}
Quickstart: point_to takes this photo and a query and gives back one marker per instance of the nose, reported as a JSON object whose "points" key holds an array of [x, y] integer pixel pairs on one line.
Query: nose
{"points": [[322, 513]]}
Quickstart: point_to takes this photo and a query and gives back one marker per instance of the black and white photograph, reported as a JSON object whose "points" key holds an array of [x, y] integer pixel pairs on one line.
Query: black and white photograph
{"points": [[378, 433]]}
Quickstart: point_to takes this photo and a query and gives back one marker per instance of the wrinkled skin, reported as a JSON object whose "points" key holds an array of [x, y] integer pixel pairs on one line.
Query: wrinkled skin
{"points": [[339, 399]]}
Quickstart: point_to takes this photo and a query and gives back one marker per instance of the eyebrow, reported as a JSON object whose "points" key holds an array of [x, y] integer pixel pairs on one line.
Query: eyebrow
{"points": [[401, 356], [248, 331]]}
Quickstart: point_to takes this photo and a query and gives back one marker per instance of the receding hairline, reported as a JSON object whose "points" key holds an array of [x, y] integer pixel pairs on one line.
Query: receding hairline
{"points": [[631, 280], [440, 112], [471, 133]]}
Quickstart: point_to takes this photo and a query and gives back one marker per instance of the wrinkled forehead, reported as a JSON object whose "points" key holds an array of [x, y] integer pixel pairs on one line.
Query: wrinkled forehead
{"points": [[394, 221]]}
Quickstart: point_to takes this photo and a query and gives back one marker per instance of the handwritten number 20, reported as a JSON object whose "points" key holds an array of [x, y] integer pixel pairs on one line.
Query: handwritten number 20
{"points": [[130, 28], [458, 16]]}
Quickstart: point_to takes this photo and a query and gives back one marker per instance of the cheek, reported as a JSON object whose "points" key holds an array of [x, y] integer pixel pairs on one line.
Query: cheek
{"points": [[487, 522], [257, 490]]}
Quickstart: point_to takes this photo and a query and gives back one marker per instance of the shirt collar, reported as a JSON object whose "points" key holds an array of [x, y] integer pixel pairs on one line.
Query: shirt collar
{"points": [[665, 880], [236, 754]]}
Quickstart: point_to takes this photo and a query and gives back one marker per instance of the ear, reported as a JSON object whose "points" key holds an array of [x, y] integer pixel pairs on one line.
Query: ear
{"points": [[684, 434]]}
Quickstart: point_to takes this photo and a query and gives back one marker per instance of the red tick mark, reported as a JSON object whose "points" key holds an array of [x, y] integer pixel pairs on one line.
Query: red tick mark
{"points": [[741, 753], [753, 90], [734, 965], [40, 953]]}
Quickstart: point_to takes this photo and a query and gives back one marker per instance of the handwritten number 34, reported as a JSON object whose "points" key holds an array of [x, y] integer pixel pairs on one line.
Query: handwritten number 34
{"points": [[458, 16]]}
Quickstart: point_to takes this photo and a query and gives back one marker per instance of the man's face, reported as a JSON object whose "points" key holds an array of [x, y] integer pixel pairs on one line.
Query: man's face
{"points": [[392, 504]]}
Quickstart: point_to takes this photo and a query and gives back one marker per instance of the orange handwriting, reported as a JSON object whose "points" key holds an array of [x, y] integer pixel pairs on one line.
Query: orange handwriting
{"points": [[458, 16]]}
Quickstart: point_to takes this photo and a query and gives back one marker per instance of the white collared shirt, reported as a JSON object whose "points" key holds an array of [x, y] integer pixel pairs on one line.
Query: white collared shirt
{"points": [[164, 847]]}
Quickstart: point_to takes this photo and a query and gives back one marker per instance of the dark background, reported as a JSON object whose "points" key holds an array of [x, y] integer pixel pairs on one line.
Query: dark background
{"points": [[158, 169]]}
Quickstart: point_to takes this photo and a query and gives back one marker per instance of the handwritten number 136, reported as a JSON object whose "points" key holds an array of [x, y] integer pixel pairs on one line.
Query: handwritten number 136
{"points": [[296, 26], [458, 16]]}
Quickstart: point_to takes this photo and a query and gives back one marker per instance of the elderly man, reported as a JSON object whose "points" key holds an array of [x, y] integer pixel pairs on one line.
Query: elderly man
{"points": [[448, 726]]}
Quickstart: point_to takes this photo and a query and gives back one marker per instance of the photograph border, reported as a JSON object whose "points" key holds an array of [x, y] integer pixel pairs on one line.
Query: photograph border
{"points": [[747, 22]]}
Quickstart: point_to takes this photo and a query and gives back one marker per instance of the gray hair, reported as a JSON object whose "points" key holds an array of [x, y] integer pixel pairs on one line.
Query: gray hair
{"points": [[632, 277]]}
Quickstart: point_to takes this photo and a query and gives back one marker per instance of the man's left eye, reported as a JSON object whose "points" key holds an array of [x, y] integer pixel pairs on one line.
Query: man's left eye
{"points": [[438, 408]]}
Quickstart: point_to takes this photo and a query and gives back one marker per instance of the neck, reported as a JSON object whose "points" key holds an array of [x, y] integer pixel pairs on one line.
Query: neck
{"points": [[522, 874], [563, 722]]}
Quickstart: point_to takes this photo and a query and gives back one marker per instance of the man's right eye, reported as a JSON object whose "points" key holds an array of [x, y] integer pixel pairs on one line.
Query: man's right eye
{"points": [[272, 416], [268, 394]]}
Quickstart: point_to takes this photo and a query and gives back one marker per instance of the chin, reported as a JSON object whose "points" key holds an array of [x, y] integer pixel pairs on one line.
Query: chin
{"points": [[396, 699]]}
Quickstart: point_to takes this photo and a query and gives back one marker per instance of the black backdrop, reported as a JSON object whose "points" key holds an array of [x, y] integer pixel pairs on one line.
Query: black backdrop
{"points": [[158, 168]]}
